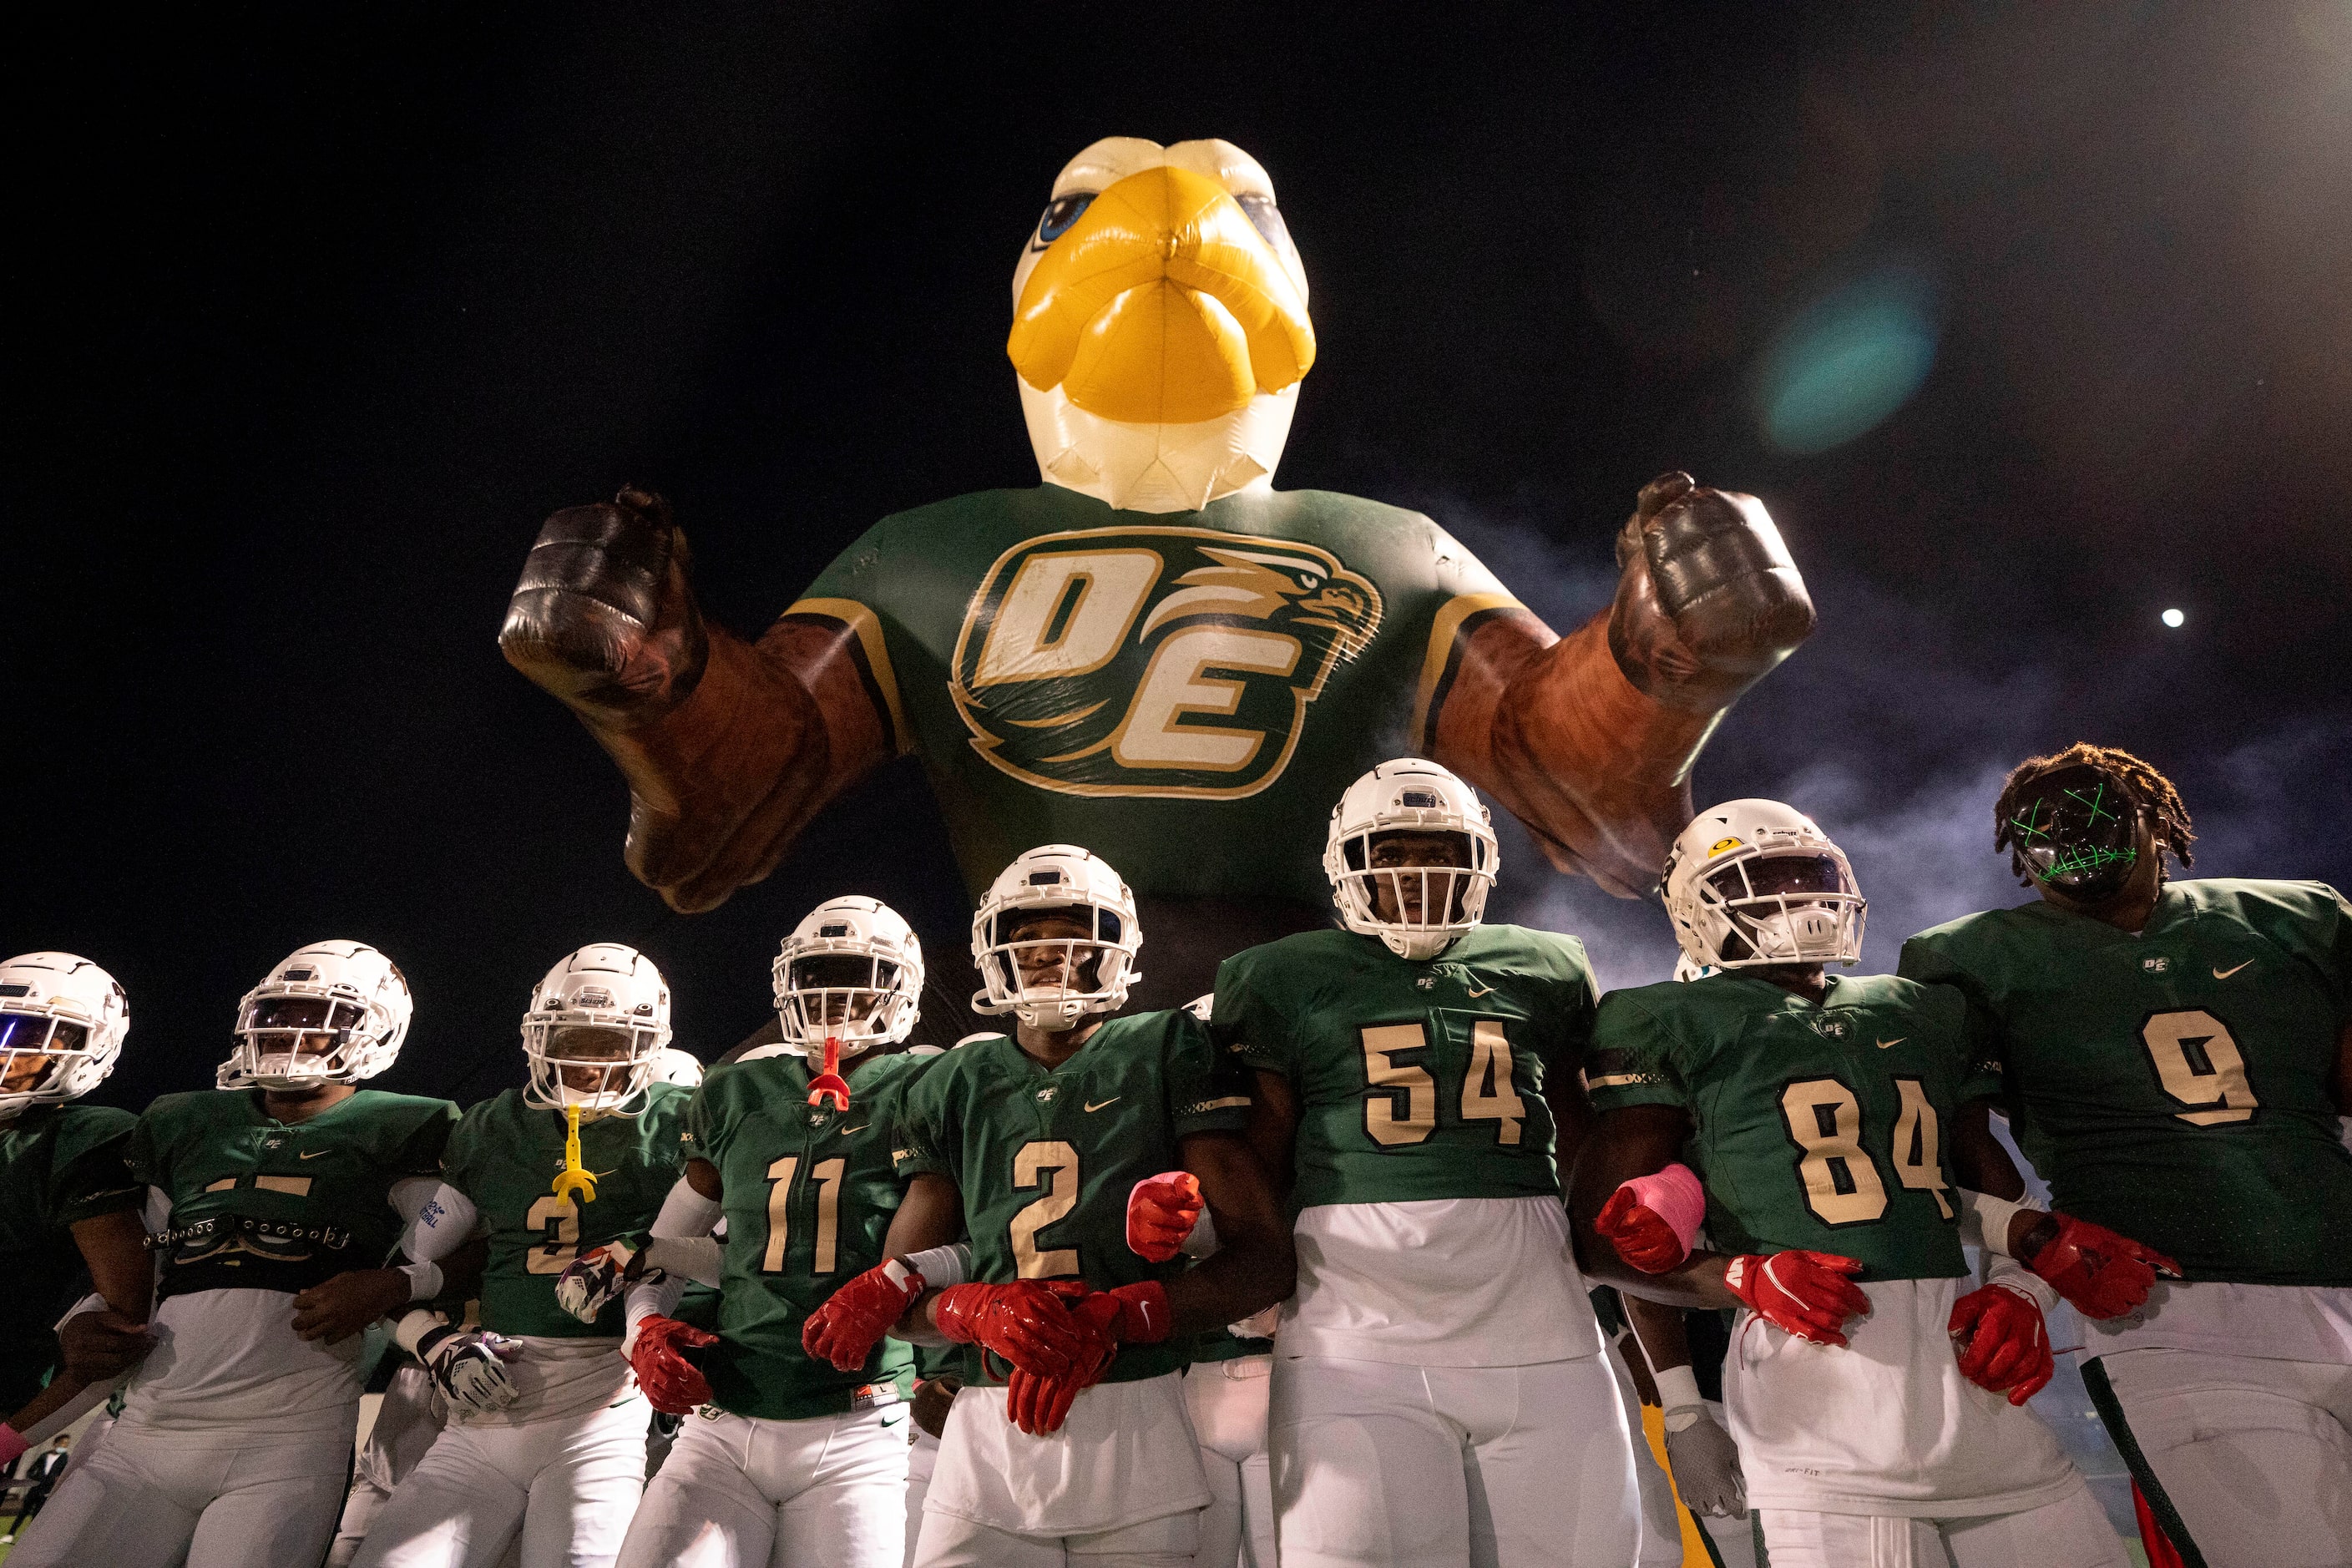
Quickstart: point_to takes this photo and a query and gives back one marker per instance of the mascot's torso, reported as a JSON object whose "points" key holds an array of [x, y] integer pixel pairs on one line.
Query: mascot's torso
{"points": [[1138, 683]]}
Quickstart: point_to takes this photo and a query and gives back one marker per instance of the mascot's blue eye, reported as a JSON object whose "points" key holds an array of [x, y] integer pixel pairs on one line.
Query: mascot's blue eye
{"points": [[1060, 213]]}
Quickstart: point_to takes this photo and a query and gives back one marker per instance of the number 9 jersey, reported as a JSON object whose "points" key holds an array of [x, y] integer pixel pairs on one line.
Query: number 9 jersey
{"points": [[2173, 1085]]}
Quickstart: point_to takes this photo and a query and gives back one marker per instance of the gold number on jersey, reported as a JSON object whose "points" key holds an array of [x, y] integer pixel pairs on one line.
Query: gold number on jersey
{"points": [[826, 1174], [556, 1222], [1486, 1091], [1029, 1169], [1918, 1144], [1403, 1106], [2200, 1066], [1825, 1120]]}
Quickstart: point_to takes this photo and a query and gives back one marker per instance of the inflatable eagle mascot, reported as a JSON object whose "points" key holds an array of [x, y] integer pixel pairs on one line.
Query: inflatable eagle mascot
{"points": [[1155, 653]]}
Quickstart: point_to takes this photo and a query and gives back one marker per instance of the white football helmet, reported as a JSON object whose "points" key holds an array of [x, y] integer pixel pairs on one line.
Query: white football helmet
{"points": [[674, 1066], [1435, 906], [1092, 972], [1759, 880], [614, 991], [333, 1011], [851, 970], [62, 1020]]}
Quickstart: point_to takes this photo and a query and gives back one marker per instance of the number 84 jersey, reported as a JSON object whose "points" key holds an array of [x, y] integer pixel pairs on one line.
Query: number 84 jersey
{"points": [[1818, 1126], [1428, 1210]]}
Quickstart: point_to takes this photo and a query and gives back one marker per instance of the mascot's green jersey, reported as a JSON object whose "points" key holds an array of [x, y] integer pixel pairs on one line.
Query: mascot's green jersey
{"points": [[1820, 1127], [59, 1164], [1046, 1160], [260, 1204], [1415, 1080], [809, 1195], [504, 1155], [1140, 683], [2175, 1085]]}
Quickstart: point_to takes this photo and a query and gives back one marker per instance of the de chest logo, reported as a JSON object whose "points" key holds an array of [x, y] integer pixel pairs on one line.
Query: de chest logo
{"points": [[1154, 661]]}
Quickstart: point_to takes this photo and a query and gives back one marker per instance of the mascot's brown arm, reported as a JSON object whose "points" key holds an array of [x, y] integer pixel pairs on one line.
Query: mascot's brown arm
{"points": [[1589, 739], [729, 747]]}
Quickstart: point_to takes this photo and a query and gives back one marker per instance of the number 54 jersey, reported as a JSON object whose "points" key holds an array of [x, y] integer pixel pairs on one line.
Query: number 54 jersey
{"points": [[1427, 1201]]}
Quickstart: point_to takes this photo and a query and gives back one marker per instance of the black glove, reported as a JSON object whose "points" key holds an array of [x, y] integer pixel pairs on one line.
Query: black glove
{"points": [[1707, 598]]}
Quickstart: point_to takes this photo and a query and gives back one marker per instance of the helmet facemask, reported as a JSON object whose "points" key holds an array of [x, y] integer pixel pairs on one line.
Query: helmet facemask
{"points": [[1419, 891], [859, 998], [1767, 906], [296, 1041], [602, 1065], [1051, 967], [42, 1060]]}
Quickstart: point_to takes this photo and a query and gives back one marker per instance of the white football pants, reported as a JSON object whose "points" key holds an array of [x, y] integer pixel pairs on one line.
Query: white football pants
{"points": [[2072, 1533], [922, 1456], [2255, 1453], [225, 1498], [1171, 1540], [565, 1486], [828, 1491], [1227, 1401], [1379, 1463]]}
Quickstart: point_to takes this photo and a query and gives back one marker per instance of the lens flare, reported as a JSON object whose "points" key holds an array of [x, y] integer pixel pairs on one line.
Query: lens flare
{"points": [[1847, 361]]}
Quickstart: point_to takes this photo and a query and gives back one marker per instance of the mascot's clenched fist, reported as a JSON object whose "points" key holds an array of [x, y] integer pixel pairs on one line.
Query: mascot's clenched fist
{"points": [[1156, 654]]}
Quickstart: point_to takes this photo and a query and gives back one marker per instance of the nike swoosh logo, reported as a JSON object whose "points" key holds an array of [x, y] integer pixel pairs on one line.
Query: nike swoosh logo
{"points": [[1889, 1045], [1112, 1101], [2225, 974], [859, 1128], [314, 1154], [1467, 992]]}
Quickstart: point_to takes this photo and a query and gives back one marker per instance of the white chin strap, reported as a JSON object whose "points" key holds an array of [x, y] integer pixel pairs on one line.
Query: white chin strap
{"points": [[1419, 944], [1055, 1016]]}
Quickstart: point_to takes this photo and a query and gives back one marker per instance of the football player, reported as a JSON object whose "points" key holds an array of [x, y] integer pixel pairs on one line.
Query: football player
{"points": [[788, 1458], [1439, 1393], [1878, 1408], [69, 1206], [546, 1440], [2174, 1057], [1031, 1143], [271, 1199]]}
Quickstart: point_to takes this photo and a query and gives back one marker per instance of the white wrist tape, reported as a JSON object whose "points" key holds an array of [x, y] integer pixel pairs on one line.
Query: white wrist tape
{"points": [[2012, 1275], [413, 1327], [1677, 1388], [1989, 1217], [941, 1267], [1203, 1241], [424, 1280]]}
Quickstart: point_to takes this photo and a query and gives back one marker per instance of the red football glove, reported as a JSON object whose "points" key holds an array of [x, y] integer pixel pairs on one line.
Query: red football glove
{"points": [[852, 1320], [1807, 1293], [1653, 1220], [673, 1384], [1130, 1314], [2002, 1341], [2103, 1274], [1160, 1212], [1024, 1322]]}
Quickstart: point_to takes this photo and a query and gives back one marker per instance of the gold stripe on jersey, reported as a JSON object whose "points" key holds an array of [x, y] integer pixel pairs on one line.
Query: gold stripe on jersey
{"points": [[1443, 628], [861, 621]]}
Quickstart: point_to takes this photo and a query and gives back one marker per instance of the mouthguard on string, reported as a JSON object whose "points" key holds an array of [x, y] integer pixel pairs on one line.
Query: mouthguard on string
{"points": [[830, 1084], [574, 1177]]}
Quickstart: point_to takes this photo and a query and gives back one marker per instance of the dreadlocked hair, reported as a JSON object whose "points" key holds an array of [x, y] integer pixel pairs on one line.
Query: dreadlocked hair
{"points": [[2152, 788]]}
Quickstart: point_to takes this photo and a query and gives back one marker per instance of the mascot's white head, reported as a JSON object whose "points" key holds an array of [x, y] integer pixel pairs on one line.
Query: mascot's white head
{"points": [[1159, 325]]}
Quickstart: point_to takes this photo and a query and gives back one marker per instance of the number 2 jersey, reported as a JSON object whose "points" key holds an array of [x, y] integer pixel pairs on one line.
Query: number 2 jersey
{"points": [[809, 1195], [59, 1165], [2176, 1084], [261, 1209], [1045, 1158], [1427, 1198]]}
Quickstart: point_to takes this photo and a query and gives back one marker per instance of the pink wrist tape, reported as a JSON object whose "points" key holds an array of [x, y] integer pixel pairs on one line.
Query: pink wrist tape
{"points": [[1675, 1196]]}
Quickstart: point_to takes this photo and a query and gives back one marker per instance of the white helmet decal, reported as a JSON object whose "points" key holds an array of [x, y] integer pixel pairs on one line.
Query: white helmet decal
{"points": [[1759, 880], [62, 1022], [1057, 876], [855, 962], [603, 986], [332, 1012], [1434, 906]]}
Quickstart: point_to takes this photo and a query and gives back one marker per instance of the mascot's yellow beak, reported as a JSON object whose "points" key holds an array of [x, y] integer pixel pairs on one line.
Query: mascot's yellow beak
{"points": [[1162, 305]]}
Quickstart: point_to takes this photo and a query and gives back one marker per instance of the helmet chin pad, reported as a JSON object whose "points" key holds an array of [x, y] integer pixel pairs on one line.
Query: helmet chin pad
{"points": [[1419, 944]]}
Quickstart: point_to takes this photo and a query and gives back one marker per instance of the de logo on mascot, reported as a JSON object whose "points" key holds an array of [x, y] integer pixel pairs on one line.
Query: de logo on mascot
{"points": [[1154, 653]]}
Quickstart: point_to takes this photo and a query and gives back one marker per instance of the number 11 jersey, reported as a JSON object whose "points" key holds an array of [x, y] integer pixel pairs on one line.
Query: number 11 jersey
{"points": [[1427, 1198]]}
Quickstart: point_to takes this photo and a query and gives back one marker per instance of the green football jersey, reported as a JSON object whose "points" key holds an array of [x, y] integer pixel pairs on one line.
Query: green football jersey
{"points": [[260, 1204], [59, 1164], [504, 1155], [1140, 683], [1818, 1127], [2176, 1084], [809, 1195], [1046, 1160], [1414, 1080]]}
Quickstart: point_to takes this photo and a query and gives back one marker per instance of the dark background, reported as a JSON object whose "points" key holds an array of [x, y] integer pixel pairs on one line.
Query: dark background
{"points": [[318, 311]]}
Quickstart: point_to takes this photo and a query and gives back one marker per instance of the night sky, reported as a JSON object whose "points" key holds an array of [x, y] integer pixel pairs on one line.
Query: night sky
{"points": [[318, 311]]}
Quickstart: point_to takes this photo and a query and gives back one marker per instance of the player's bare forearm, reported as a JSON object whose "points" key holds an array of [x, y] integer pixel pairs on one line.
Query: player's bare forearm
{"points": [[930, 1215], [462, 1270], [1273, 1132], [1636, 1141], [114, 1245], [1572, 1114], [1254, 1265]]}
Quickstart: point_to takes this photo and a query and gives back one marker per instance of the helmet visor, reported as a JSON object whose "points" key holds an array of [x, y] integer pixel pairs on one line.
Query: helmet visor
{"points": [[285, 1029], [1773, 876], [35, 1048]]}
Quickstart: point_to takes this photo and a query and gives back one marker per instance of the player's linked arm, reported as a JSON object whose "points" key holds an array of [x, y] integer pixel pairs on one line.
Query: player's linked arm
{"points": [[1632, 1142], [1589, 739], [729, 747], [1255, 1264], [930, 1215], [100, 1346], [1273, 1132]]}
